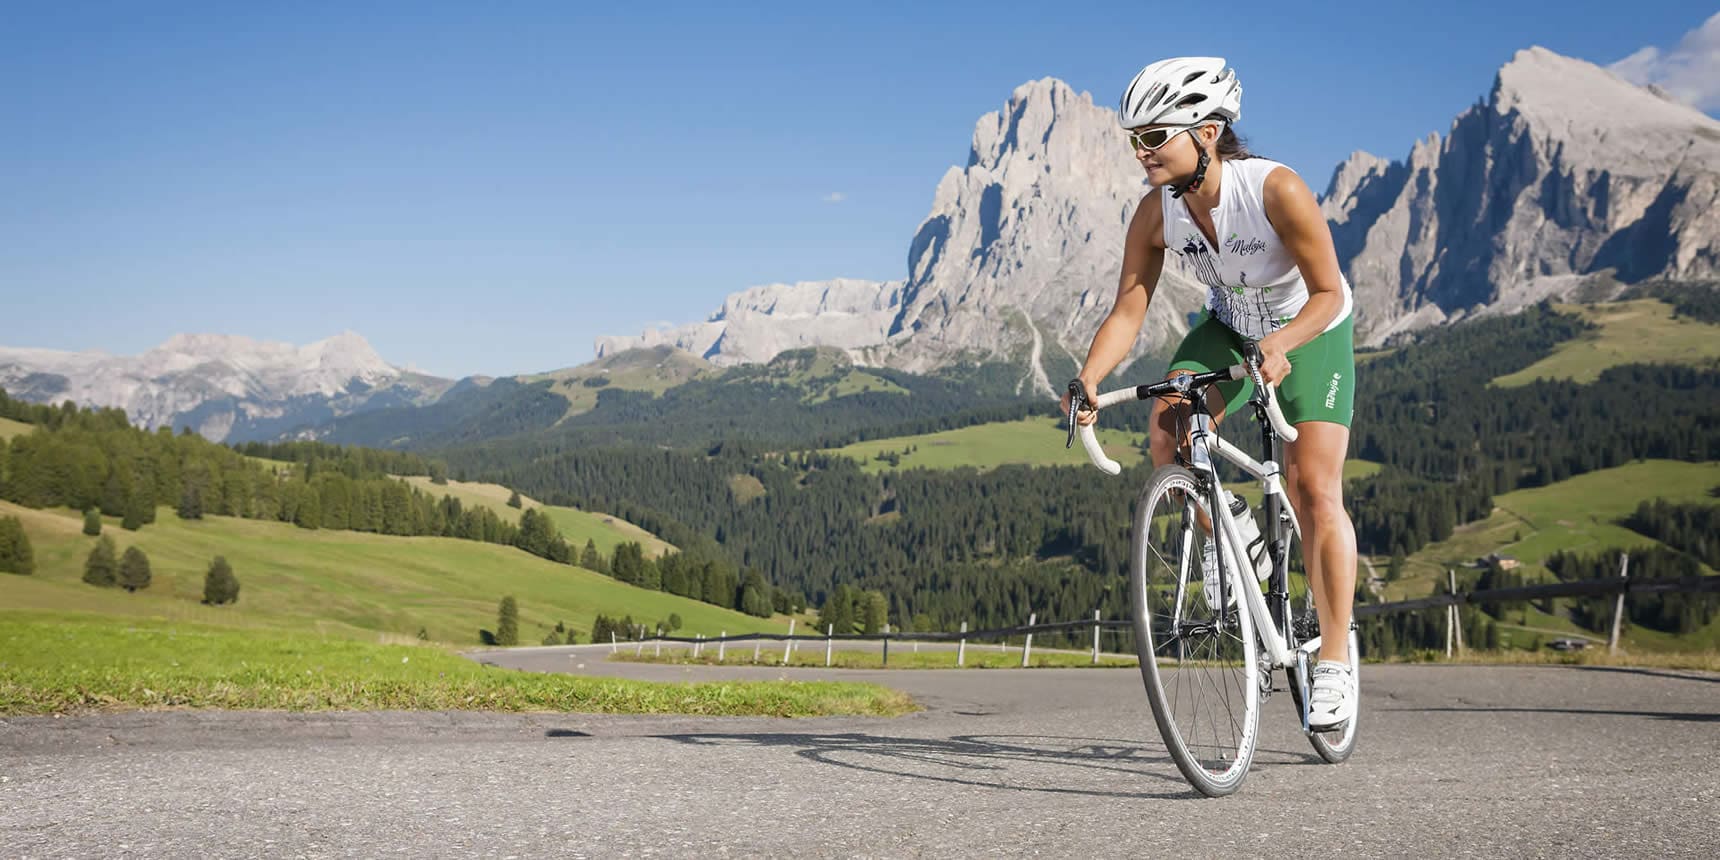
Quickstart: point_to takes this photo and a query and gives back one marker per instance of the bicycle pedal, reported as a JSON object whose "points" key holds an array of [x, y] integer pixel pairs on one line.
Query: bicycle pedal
{"points": [[1280, 689]]}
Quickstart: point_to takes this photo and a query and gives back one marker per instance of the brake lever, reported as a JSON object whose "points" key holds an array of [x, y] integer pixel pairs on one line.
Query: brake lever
{"points": [[1077, 398]]}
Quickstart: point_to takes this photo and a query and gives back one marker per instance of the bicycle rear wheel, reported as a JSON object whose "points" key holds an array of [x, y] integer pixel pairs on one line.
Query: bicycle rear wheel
{"points": [[1199, 658]]}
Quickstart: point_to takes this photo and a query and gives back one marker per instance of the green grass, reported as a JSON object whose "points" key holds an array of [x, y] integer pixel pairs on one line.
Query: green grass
{"points": [[339, 583], [576, 526], [1576, 515], [654, 369], [1030, 441], [68, 662], [855, 381], [1630, 332], [10, 428], [902, 656]]}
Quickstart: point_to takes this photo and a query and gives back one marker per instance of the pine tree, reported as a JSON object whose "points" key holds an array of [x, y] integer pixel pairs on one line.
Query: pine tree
{"points": [[101, 569], [134, 569], [190, 502], [508, 622], [220, 586], [588, 557], [92, 522], [674, 621], [874, 611], [139, 509], [514, 499], [16, 555], [423, 634]]}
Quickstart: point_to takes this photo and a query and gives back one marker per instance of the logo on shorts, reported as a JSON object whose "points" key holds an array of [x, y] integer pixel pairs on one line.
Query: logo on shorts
{"points": [[1332, 391]]}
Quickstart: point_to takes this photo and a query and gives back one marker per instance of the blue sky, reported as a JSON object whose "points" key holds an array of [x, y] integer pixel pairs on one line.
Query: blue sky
{"points": [[482, 191]]}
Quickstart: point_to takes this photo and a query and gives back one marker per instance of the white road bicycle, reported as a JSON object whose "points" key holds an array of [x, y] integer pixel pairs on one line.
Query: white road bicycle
{"points": [[1208, 653]]}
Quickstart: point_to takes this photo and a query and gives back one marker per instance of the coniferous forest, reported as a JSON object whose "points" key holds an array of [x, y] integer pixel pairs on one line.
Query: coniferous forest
{"points": [[729, 470]]}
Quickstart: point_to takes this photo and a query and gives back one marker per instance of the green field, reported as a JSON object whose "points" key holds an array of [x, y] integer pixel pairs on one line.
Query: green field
{"points": [[10, 428], [576, 525], [1639, 331], [1576, 515], [52, 663], [654, 369], [855, 381], [1030, 441], [340, 583]]}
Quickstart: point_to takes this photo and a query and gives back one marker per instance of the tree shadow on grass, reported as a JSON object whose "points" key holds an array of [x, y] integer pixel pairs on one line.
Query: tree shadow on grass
{"points": [[1089, 766]]}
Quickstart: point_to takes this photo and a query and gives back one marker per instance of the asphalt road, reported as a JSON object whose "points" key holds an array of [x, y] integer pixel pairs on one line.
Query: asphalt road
{"points": [[1453, 761]]}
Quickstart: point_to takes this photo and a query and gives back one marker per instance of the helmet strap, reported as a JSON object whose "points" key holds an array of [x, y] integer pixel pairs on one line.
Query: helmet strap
{"points": [[1199, 174]]}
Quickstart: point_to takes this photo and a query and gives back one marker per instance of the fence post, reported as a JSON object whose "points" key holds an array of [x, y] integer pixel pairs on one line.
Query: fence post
{"points": [[789, 646], [612, 642], [1095, 636], [757, 644], [657, 648], [1450, 616], [640, 649], [722, 645], [829, 631], [886, 649], [1456, 616], [1027, 645], [1618, 607], [961, 647]]}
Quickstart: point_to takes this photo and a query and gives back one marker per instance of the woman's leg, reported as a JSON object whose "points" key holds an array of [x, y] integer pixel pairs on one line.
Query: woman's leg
{"points": [[1315, 483]]}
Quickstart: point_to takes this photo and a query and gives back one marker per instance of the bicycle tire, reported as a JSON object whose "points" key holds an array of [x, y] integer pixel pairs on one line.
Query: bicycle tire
{"points": [[1207, 650]]}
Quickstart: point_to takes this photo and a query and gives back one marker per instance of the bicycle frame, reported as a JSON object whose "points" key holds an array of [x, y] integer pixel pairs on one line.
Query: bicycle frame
{"points": [[1273, 628]]}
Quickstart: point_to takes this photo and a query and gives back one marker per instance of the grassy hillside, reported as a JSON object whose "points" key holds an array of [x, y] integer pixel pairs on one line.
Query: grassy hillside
{"points": [[576, 525], [1030, 441], [1642, 330], [655, 369], [1576, 515], [10, 428], [338, 582]]}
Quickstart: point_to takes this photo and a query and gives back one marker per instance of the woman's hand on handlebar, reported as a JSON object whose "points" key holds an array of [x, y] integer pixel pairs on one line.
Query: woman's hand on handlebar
{"points": [[1087, 415], [1274, 364]]}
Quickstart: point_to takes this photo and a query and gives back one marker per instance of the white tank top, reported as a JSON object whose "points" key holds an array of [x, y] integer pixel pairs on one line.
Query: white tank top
{"points": [[1253, 285]]}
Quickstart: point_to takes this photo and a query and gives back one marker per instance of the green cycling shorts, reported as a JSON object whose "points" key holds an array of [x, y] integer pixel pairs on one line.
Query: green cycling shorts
{"points": [[1322, 381]]}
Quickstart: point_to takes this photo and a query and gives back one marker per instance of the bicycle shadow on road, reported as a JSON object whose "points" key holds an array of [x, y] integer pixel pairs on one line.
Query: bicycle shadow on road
{"points": [[1011, 762]]}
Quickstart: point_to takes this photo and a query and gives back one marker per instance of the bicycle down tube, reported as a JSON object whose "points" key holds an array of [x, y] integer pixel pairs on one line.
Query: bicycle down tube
{"points": [[1206, 441]]}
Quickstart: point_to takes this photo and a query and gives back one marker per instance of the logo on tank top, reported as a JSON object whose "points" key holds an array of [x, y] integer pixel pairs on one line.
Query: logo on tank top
{"points": [[1243, 247]]}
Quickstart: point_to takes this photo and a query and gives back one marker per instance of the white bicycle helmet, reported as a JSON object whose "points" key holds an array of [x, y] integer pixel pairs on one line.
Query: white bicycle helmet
{"points": [[1181, 91]]}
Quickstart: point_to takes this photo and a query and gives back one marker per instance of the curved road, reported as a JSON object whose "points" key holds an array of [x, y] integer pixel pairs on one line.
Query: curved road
{"points": [[1454, 761]]}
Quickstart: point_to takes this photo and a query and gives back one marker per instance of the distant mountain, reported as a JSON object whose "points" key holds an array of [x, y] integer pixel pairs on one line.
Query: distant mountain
{"points": [[755, 324], [1567, 181], [224, 387]]}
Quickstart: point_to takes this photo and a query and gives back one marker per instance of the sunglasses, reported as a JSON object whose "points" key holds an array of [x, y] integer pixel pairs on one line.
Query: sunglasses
{"points": [[1153, 138]]}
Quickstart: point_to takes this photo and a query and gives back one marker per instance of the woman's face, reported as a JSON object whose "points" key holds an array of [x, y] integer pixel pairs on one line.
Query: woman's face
{"points": [[1175, 157]]}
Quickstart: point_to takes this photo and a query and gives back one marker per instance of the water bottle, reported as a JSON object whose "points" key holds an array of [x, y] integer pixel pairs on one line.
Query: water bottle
{"points": [[1251, 537]]}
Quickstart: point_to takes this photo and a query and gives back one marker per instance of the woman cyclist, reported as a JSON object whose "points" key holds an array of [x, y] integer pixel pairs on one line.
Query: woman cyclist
{"points": [[1251, 232]]}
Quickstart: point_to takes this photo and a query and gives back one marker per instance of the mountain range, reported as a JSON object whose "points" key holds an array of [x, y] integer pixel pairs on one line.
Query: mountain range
{"points": [[1565, 181]]}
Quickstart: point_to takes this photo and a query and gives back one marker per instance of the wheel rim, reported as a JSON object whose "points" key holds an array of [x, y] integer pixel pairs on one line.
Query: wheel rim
{"points": [[1202, 658]]}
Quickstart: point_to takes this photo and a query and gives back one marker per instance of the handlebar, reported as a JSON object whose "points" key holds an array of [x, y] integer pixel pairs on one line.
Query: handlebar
{"points": [[1181, 384]]}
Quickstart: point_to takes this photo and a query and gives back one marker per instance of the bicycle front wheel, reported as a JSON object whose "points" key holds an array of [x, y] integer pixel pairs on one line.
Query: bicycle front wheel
{"points": [[1195, 638]]}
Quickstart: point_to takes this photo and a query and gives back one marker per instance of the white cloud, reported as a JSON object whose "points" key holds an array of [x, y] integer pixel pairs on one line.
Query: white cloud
{"points": [[835, 197], [1690, 71]]}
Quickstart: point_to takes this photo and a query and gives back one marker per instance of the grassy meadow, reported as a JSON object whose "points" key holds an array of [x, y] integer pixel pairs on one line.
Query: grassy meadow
{"points": [[1576, 515], [338, 583], [1638, 331], [10, 428], [66, 662], [1030, 441], [576, 525]]}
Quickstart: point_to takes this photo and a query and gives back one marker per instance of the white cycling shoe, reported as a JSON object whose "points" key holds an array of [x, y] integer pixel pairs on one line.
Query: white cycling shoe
{"points": [[1332, 702]]}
